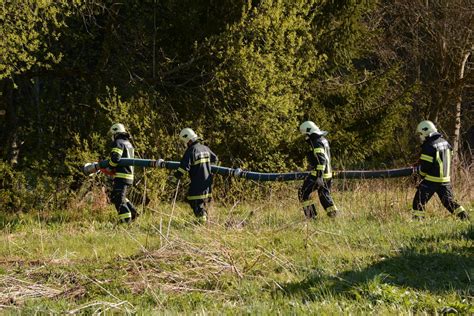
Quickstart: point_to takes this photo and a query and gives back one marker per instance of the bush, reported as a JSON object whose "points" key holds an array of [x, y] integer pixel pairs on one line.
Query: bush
{"points": [[27, 190]]}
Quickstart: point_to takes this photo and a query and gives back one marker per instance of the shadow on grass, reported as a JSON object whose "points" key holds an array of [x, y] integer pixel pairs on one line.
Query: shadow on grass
{"points": [[424, 266]]}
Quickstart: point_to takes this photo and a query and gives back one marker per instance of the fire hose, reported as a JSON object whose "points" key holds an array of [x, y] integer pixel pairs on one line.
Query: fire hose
{"points": [[91, 168]]}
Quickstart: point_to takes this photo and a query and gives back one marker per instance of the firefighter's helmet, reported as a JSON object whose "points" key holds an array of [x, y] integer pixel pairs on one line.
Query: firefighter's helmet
{"points": [[308, 128], [187, 135], [117, 128], [425, 129]]}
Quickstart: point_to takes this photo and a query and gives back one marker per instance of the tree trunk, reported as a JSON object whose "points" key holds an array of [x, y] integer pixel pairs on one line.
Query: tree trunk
{"points": [[457, 124], [36, 104], [10, 136], [154, 41]]}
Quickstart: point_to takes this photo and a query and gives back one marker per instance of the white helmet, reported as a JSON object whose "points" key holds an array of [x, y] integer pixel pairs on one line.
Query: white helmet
{"points": [[425, 129], [115, 129], [187, 135], [308, 128]]}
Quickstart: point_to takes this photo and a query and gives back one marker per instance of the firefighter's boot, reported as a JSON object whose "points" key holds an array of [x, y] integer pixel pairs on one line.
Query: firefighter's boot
{"points": [[310, 211]]}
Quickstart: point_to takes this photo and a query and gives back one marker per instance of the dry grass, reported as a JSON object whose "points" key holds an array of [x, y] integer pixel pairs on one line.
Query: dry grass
{"points": [[254, 257]]}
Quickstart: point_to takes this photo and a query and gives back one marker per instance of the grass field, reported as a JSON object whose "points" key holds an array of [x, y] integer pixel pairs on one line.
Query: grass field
{"points": [[254, 257]]}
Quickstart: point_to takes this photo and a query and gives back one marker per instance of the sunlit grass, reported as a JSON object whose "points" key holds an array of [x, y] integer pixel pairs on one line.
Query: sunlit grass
{"points": [[254, 256]]}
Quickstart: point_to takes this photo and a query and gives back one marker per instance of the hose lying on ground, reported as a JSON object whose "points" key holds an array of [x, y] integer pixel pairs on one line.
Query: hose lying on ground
{"points": [[91, 168]]}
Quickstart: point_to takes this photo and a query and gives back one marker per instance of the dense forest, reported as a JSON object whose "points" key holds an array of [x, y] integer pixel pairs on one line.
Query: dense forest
{"points": [[243, 74]]}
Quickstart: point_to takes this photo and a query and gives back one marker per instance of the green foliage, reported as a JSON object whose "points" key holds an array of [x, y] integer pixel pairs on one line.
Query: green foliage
{"points": [[359, 101], [148, 137], [25, 191], [266, 60], [139, 118], [85, 151], [28, 30], [243, 74], [270, 64], [367, 117]]}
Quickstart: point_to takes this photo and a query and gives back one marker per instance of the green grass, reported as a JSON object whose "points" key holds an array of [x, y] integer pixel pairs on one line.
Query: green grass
{"points": [[254, 257]]}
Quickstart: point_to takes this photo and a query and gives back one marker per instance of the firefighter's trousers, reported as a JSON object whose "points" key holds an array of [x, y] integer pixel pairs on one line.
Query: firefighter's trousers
{"points": [[125, 209], [425, 191], [324, 192], [199, 206]]}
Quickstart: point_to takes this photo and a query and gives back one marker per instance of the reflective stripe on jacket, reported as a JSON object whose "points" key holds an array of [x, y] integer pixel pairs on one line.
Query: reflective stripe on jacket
{"points": [[435, 159], [320, 157], [122, 148], [197, 161]]}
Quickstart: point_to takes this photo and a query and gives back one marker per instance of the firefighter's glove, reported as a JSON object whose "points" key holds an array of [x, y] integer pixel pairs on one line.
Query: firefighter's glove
{"points": [[172, 180], [416, 168], [108, 171], [416, 176]]}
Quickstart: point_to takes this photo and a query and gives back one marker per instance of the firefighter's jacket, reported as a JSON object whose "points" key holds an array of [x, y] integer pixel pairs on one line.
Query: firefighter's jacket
{"points": [[435, 159], [320, 156], [197, 161], [122, 148]]}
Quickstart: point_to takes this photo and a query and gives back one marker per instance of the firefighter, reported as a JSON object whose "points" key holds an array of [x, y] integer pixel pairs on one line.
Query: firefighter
{"points": [[435, 168], [320, 177], [196, 161], [122, 176]]}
